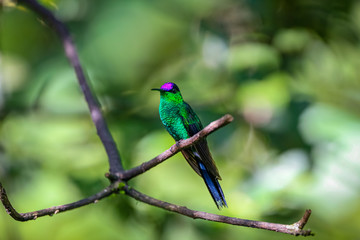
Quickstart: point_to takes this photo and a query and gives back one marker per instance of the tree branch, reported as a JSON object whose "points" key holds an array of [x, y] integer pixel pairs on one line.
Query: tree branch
{"points": [[293, 229], [117, 175], [178, 146], [115, 163], [213, 126], [113, 188]]}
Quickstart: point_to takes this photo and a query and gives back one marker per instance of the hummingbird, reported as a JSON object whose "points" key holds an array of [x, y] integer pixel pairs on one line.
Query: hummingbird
{"points": [[182, 122]]}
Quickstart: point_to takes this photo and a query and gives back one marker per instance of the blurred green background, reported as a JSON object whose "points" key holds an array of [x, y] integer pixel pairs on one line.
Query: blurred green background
{"points": [[288, 71]]}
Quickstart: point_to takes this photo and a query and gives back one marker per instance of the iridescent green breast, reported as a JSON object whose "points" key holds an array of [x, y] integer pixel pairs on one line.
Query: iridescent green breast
{"points": [[171, 117]]}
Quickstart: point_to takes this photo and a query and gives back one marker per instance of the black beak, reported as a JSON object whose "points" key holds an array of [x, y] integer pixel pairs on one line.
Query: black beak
{"points": [[156, 89]]}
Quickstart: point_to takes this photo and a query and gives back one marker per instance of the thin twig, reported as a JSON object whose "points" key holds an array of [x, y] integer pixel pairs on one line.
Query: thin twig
{"points": [[301, 223], [178, 146], [293, 229], [115, 164], [113, 188], [8, 207]]}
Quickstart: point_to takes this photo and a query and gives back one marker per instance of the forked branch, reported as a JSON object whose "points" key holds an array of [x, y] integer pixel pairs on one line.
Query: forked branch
{"points": [[117, 175], [116, 185]]}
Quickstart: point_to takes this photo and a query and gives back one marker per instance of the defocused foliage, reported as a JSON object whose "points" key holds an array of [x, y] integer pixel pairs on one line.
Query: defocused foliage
{"points": [[287, 70]]}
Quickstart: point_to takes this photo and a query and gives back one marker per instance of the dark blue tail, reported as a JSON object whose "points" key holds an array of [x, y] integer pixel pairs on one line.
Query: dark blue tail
{"points": [[213, 186]]}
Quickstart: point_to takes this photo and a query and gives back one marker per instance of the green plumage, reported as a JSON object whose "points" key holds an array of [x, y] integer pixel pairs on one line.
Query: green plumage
{"points": [[173, 111], [181, 122]]}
